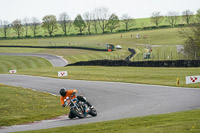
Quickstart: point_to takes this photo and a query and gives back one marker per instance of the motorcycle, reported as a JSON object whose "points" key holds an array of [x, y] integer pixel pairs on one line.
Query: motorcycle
{"points": [[79, 108]]}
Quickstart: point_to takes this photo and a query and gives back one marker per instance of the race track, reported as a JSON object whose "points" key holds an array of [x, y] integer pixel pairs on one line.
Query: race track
{"points": [[56, 61], [113, 100]]}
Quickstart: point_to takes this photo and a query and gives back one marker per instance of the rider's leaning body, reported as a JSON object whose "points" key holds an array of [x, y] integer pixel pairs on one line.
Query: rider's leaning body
{"points": [[68, 94]]}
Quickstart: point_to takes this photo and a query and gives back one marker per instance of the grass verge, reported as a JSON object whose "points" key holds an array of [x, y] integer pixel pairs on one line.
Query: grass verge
{"points": [[19, 105], [141, 75], [21, 62], [180, 122]]}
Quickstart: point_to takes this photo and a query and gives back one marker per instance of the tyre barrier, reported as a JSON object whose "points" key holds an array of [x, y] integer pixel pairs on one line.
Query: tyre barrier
{"points": [[171, 63]]}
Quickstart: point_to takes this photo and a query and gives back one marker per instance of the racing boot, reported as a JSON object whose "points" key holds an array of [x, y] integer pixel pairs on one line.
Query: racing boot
{"points": [[89, 105]]}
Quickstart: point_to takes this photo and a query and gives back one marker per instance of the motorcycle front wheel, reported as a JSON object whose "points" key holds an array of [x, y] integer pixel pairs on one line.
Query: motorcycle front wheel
{"points": [[78, 112]]}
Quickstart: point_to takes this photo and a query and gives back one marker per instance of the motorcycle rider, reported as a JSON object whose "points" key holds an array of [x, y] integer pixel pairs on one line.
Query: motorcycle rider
{"points": [[66, 93]]}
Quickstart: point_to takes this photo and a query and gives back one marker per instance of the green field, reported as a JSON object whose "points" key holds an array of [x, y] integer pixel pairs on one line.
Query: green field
{"points": [[169, 36], [20, 62], [19, 105], [162, 42], [181, 122]]}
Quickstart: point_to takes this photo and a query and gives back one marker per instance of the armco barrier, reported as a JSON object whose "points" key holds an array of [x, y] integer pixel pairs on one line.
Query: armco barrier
{"points": [[173, 63]]}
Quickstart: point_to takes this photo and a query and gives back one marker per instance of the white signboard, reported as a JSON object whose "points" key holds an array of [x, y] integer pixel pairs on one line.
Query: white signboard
{"points": [[12, 71], [192, 79], [62, 73]]}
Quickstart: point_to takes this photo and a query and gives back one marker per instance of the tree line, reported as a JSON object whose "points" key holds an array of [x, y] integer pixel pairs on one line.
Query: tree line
{"points": [[99, 17]]}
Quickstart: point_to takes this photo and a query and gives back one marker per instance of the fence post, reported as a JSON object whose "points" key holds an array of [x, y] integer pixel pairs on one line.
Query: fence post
{"points": [[171, 56], [142, 57], [164, 55], [152, 56]]}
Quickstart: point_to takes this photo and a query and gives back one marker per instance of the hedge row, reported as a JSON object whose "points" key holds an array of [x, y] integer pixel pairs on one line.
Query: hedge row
{"points": [[71, 47]]}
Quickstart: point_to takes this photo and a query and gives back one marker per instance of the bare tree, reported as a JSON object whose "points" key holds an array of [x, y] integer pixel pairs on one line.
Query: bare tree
{"points": [[49, 23], [187, 15], [172, 18], [6, 28], [35, 25], [127, 20], [113, 22], [156, 18], [79, 22], [17, 27], [26, 22], [88, 19], [102, 17], [65, 23]]}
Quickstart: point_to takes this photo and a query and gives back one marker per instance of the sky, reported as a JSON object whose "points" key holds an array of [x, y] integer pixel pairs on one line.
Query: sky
{"points": [[11, 10]]}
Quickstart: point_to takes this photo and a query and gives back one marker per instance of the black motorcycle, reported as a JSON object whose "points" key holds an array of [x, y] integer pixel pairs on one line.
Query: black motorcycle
{"points": [[79, 108]]}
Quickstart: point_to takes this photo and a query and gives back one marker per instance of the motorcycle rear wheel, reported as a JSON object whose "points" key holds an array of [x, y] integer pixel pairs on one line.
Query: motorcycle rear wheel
{"points": [[93, 112]]}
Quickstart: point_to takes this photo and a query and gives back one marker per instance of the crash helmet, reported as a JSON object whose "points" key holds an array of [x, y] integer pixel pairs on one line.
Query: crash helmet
{"points": [[62, 92]]}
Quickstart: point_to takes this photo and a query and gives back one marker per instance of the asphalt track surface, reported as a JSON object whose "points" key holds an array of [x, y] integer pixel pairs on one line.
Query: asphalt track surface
{"points": [[56, 61], [113, 100]]}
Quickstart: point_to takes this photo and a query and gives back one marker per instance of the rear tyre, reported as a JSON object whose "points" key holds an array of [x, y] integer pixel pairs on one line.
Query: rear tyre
{"points": [[93, 112]]}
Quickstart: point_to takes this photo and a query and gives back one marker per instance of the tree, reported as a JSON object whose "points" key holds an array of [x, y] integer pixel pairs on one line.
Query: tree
{"points": [[95, 20], [0, 23], [187, 15], [35, 25], [88, 19], [79, 22], [6, 28], [113, 22], [198, 15], [127, 20], [156, 18], [26, 25], [49, 23], [65, 23], [102, 17], [17, 27], [192, 38], [172, 18]]}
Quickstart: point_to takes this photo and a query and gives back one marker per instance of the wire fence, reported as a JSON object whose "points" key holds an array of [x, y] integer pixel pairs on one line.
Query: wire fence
{"points": [[165, 56]]}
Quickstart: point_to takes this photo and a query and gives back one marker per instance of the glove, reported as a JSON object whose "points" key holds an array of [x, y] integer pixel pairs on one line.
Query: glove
{"points": [[63, 105]]}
